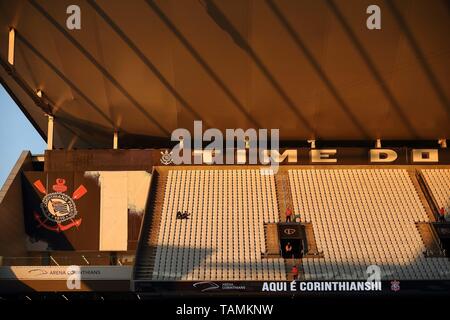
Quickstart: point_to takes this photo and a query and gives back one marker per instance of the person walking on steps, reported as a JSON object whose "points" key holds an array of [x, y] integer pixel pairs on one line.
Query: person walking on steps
{"points": [[288, 215]]}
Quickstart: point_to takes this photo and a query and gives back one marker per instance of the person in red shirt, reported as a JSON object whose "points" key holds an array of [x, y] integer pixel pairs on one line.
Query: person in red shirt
{"points": [[442, 214], [294, 271], [288, 215]]}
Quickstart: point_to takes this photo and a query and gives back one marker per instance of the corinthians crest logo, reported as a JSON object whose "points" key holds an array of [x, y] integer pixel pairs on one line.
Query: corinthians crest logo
{"points": [[289, 231], [395, 285], [166, 157], [59, 212]]}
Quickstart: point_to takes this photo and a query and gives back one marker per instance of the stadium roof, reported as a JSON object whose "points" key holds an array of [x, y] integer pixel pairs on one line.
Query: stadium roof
{"points": [[310, 68]]}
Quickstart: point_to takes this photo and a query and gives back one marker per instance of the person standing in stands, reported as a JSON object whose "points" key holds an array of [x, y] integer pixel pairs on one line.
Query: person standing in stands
{"points": [[294, 271], [288, 250], [442, 214], [288, 215]]}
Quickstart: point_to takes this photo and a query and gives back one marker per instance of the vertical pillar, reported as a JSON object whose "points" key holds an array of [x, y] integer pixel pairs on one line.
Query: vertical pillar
{"points": [[378, 144], [116, 140], [12, 38], [50, 133]]}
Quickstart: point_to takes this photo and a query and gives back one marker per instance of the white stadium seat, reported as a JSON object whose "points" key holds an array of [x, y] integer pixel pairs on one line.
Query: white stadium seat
{"points": [[365, 217], [438, 181], [223, 239]]}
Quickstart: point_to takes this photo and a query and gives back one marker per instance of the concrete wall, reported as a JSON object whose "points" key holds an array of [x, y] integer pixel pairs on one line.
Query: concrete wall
{"points": [[12, 229]]}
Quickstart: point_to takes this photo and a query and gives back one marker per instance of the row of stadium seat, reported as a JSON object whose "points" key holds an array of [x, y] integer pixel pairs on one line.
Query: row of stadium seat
{"points": [[364, 217], [356, 196], [360, 217], [223, 238], [421, 269], [438, 181]]}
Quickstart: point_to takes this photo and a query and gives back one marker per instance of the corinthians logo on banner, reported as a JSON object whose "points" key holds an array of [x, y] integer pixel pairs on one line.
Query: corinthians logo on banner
{"points": [[58, 209], [289, 231]]}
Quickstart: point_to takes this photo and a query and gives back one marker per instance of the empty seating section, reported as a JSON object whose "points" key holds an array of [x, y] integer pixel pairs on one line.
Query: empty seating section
{"points": [[223, 239], [364, 217], [438, 181]]}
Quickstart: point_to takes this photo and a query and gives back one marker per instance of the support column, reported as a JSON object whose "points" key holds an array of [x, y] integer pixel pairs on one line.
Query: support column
{"points": [[378, 144], [312, 143], [50, 133], [116, 140], [12, 38]]}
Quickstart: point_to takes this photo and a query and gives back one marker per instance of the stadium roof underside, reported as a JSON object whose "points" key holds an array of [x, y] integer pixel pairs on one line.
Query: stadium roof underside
{"points": [[310, 68]]}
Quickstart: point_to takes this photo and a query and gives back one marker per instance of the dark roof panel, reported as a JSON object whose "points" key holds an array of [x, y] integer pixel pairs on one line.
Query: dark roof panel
{"points": [[310, 68]]}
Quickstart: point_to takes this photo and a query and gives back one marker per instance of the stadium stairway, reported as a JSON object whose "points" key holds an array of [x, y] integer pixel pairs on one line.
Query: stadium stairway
{"points": [[430, 240], [421, 191], [145, 257], [272, 240], [283, 194], [313, 251], [427, 233], [428, 194], [284, 197]]}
